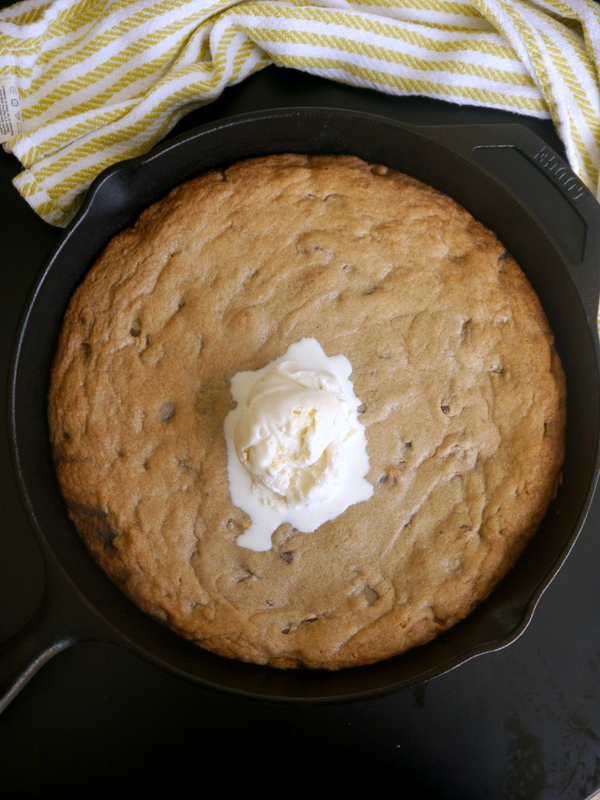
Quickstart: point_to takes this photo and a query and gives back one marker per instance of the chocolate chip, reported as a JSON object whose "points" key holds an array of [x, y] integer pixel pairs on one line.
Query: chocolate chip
{"points": [[167, 410], [370, 595], [287, 556], [106, 535], [86, 352]]}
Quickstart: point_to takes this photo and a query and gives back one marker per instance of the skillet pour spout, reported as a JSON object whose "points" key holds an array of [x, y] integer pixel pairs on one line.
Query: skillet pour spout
{"points": [[507, 178]]}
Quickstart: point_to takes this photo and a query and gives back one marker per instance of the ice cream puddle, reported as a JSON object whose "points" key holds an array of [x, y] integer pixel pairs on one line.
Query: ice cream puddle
{"points": [[296, 450]]}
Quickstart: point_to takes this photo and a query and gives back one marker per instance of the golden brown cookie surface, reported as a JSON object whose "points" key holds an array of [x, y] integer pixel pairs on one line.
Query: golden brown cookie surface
{"points": [[452, 359]]}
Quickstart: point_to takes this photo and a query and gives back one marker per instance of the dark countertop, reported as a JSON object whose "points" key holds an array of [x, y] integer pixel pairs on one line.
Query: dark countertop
{"points": [[98, 721]]}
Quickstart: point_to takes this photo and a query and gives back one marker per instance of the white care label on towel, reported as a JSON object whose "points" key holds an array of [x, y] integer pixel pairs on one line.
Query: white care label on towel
{"points": [[11, 122]]}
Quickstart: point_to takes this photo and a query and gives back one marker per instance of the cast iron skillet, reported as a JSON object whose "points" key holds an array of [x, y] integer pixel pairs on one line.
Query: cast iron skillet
{"points": [[507, 178]]}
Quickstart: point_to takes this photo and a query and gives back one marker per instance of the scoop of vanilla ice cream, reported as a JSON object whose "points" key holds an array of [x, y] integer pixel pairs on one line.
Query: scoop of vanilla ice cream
{"points": [[296, 450], [290, 433]]}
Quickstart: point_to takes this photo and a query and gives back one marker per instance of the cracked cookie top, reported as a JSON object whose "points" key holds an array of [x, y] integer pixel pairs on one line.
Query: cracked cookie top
{"points": [[463, 403]]}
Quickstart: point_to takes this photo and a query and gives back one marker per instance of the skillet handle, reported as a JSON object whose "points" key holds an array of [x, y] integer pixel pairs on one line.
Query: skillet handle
{"points": [[25, 653], [58, 624], [542, 181]]}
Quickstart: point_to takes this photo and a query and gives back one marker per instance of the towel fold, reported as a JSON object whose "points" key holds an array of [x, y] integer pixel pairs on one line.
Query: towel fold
{"points": [[87, 83]]}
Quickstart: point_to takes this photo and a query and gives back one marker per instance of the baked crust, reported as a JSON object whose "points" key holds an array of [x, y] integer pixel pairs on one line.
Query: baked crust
{"points": [[453, 360]]}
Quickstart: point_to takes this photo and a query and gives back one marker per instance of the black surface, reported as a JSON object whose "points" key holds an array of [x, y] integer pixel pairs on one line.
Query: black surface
{"points": [[523, 722]]}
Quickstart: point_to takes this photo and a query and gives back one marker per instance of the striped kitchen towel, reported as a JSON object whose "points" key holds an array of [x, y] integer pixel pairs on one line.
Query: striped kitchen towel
{"points": [[86, 83]]}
